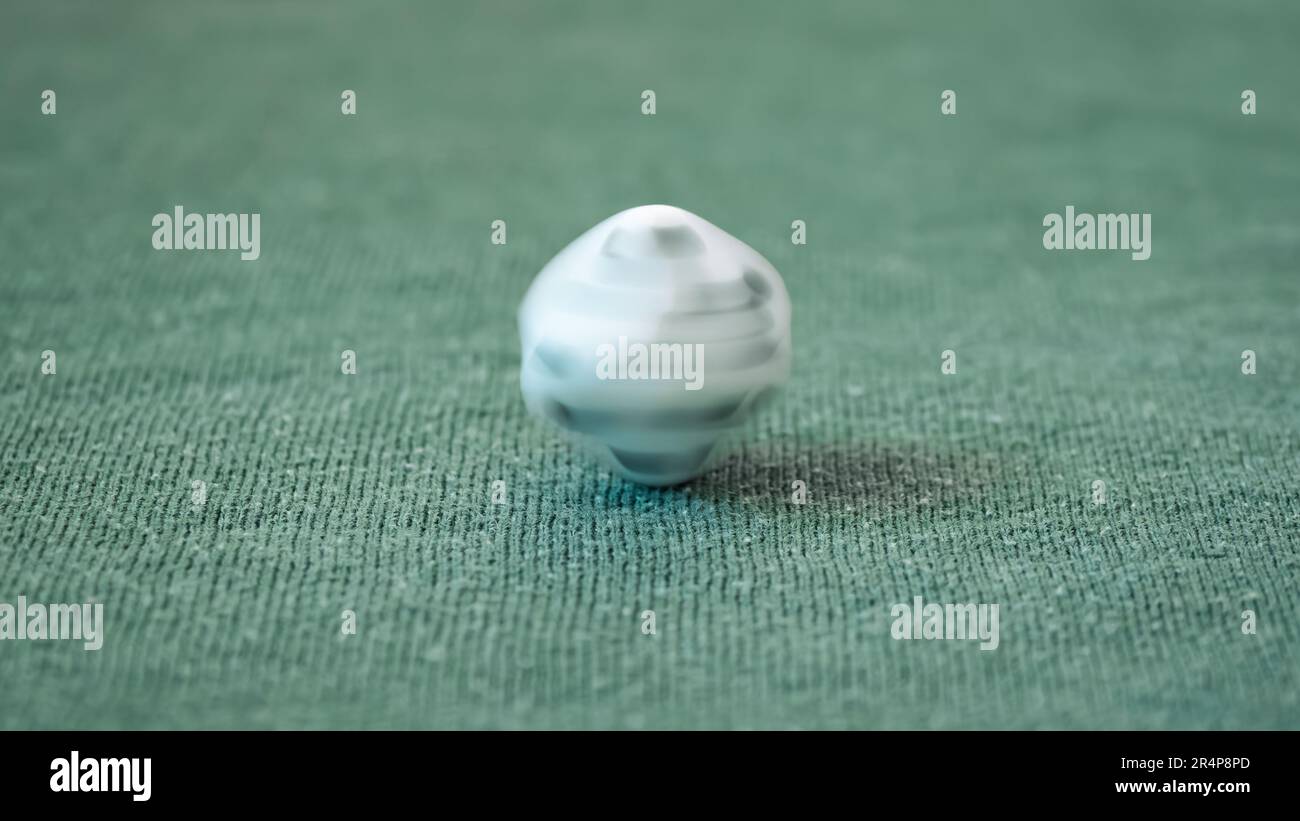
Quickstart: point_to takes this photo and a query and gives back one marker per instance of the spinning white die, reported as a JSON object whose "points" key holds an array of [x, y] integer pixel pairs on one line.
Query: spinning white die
{"points": [[651, 336]]}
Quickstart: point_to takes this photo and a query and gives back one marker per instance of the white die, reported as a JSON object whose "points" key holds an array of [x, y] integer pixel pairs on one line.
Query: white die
{"points": [[651, 337]]}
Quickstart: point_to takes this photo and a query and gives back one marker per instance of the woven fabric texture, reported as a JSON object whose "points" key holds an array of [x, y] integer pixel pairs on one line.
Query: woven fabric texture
{"points": [[371, 492]]}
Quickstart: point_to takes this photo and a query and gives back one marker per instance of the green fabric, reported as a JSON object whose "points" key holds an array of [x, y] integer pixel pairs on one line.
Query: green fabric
{"points": [[372, 492]]}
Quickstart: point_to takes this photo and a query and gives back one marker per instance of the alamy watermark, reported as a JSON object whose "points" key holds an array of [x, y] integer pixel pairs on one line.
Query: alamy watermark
{"points": [[38, 622], [681, 361], [920, 620], [179, 231], [1100, 232], [77, 774]]}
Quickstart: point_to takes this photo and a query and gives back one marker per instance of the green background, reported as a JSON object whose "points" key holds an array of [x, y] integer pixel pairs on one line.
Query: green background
{"points": [[371, 492]]}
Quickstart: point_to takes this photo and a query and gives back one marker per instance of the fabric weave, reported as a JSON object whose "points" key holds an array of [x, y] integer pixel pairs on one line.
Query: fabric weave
{"points": [[328, 492]]}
